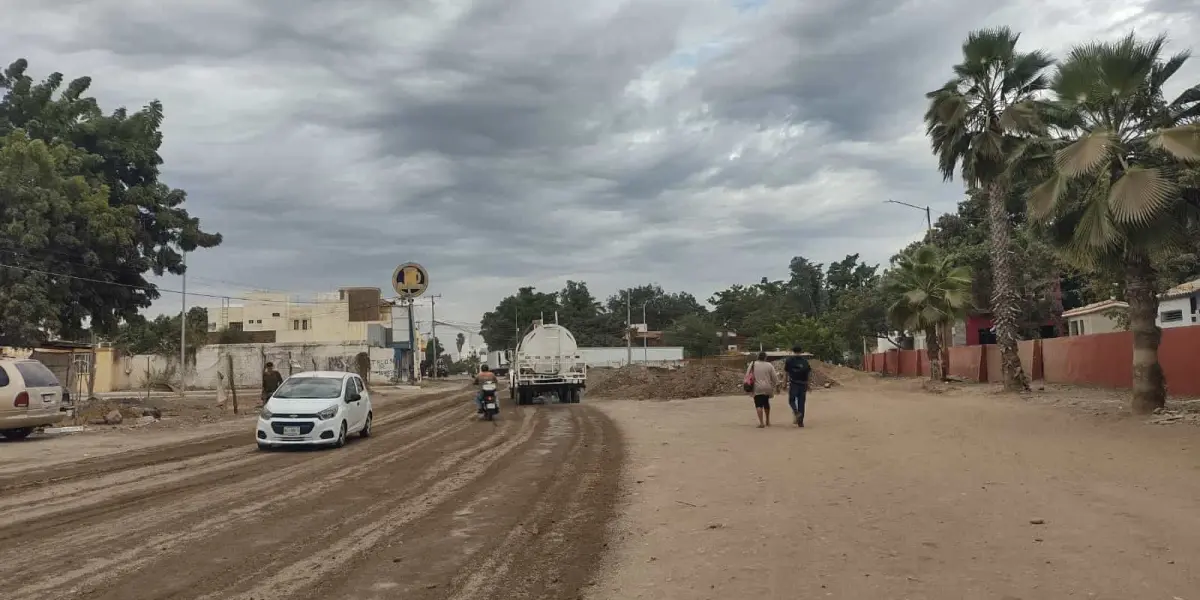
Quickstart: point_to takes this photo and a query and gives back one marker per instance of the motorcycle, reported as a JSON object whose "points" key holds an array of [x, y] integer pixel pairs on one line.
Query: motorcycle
{"points": [[490, 407]]}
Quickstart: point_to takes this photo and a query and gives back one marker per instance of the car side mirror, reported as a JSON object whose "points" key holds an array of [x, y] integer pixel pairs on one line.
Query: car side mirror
{"points": [[354, 397]]}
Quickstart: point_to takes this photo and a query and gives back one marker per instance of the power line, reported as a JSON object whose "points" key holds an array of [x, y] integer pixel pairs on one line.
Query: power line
{"points": [[236, 284], [171, 291]]}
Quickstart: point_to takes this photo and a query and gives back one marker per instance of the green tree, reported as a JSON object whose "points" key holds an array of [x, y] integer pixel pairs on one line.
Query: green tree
{"points": [[160, 336], [662, 308], [499, 327], [580, 312], [143, 227], [697, 334], [1113, 200], [931, 293], [816, 336], [46, 210], [976, 123]]}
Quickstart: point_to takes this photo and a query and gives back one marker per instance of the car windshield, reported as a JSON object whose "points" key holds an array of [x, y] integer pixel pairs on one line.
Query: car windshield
{"points": [[310, 387]]}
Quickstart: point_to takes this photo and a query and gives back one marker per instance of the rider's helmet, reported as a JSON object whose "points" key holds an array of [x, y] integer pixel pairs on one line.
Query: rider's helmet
{"points": [[483, 368]]}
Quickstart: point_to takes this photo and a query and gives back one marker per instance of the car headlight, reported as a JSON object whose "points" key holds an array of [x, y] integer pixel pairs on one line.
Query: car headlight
{"points": [[265, 414], [328, 413]]}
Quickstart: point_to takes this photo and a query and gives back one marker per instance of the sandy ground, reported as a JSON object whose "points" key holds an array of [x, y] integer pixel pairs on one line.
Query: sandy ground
{"points": [[890, 494], [436, 504]]}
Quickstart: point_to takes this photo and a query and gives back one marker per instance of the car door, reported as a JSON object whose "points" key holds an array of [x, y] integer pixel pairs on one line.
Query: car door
{"points": [[366, 395], [354, 409]]}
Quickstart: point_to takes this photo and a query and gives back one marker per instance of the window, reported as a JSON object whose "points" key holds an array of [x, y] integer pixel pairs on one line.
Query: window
{"points": [[295, 324], [36, 374], [1082, 329], [274, 314], [358, 384], [212, 326], [3, 377], [1172, 316], [1074, 327], [304, 324]]}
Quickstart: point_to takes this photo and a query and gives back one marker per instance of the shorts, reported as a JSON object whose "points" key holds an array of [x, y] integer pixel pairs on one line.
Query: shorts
{"points": [[762, 401]]}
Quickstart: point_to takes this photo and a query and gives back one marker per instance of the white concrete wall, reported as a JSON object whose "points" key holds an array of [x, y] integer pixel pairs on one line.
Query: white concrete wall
{"points": [[615, 357], [1181, 304]]}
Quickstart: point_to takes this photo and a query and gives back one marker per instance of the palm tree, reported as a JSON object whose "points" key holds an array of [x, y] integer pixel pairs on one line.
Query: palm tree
{"points": [[1113, 199], [932, 292], [460, 341], [976, 123]]}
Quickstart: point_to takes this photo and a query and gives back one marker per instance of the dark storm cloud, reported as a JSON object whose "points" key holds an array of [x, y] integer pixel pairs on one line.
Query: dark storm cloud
{"points": [[520, 142]]}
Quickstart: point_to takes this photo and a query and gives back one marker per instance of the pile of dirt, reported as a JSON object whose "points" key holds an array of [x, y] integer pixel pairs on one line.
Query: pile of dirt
{"points": [[654, 383], [698, 379]]}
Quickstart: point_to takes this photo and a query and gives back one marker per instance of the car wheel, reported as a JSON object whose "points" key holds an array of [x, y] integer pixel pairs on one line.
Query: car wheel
{"points": [[366, 430], [17, 434], [341, 440]]}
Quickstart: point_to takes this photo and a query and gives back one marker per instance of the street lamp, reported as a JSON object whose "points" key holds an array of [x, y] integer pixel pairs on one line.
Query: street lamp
{"points": [[928, 215]]}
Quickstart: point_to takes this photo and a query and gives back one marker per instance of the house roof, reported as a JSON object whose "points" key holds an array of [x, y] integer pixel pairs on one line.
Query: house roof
{"points": [[1096, 307], [1182, 290]]}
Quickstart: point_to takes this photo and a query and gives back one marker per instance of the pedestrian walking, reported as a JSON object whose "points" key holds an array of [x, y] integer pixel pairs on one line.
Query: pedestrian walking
{"points": [[271, 380], [798, 370], [761, 382]]}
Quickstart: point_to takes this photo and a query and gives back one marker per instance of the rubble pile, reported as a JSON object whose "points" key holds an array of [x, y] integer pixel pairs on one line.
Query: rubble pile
{"points": [[693, 380]]}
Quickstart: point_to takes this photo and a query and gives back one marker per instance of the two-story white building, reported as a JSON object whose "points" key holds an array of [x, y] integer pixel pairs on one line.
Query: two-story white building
{"points": [[1177, 306], [351, 314]]}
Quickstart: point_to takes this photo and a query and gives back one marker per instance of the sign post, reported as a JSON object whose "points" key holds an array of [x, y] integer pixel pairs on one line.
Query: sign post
{"points": [[411, 280]]}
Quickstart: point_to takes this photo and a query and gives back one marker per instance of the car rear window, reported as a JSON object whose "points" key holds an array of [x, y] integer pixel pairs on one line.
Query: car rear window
{"points": [[36, 374], [310, 387], [3, 377]]}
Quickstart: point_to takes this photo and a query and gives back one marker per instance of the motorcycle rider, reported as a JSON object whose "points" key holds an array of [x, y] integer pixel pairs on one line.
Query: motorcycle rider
{"points": [[484, 375]]}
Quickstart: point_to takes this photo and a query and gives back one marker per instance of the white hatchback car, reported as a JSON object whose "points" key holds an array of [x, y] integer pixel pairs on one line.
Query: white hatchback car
{"points": [[30, 397], [315, 408]]}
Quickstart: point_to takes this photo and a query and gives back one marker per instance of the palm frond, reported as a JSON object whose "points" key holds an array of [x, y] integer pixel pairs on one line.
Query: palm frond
{"points": [[1139, 195], [1086, 154], [1043, 199], [1182, 142]]}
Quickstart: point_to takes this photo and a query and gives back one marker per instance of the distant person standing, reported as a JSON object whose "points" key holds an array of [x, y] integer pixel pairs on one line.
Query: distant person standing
{"points": [[271, 380], [764, 381], [798, 370]]}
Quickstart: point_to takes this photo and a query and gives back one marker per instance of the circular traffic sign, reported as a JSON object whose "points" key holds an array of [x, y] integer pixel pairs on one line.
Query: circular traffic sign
{"points": [[410, 280]]}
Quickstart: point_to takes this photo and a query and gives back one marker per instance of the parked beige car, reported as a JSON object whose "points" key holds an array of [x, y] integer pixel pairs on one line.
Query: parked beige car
{"points": [[30, 397]]}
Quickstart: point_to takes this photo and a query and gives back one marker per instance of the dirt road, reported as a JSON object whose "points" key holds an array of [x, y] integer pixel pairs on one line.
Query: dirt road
{"points": [[436, 504], [890, 494]]}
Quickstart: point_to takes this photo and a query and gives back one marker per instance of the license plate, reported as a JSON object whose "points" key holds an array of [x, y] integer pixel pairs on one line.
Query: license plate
{"points": [[490, 406], [47, 397], [291, 431]]}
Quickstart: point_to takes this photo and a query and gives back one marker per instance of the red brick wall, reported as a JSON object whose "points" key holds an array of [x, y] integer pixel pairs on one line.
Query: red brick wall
{"points": [[967, 363], [1104, 360]]}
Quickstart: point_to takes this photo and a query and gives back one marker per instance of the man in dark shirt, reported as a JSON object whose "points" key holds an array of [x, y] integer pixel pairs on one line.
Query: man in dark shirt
{"points": [[271, 380], [798, 370]]}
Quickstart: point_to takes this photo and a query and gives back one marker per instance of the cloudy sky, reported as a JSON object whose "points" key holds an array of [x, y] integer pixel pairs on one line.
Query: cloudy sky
{"points": [[693, 143]]}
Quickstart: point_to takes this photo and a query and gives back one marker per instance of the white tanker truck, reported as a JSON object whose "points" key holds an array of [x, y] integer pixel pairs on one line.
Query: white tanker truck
{"points": [[547, 363]]}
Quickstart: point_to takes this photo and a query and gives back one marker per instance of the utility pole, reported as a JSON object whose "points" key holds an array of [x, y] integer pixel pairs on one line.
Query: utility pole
{"points": [[628, 331], [433, 364], [645, 343], [183, 332], [412, 344]]}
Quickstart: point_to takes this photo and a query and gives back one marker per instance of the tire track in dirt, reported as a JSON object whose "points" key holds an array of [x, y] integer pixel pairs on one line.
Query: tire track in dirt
{"points": [[140, 520], [244, 464], [529, 496], [160, 454]]}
